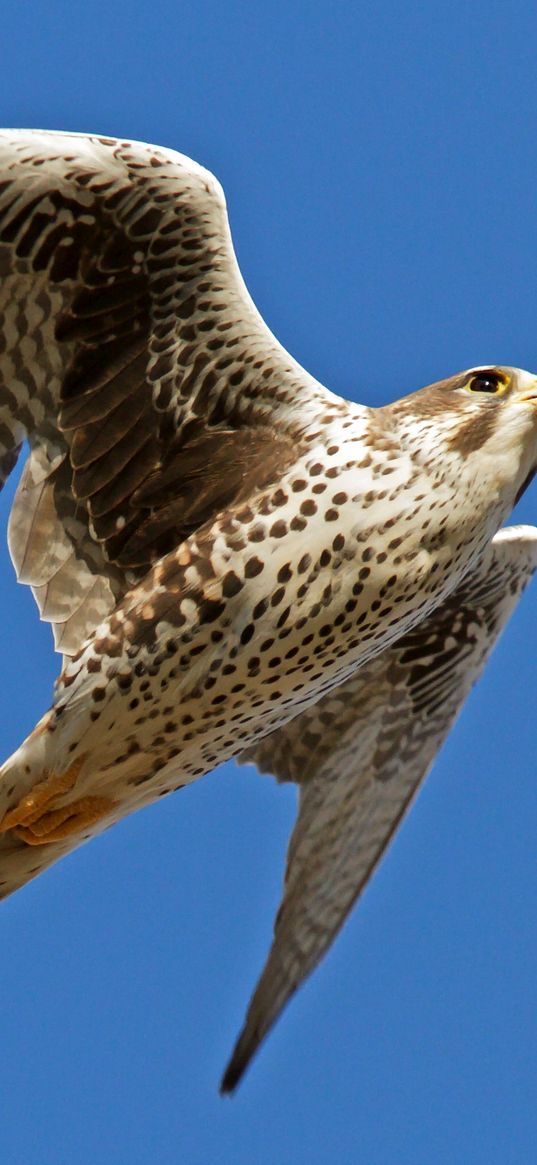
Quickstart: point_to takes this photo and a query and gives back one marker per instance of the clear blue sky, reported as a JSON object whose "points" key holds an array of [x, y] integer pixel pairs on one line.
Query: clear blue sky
{"points": [[380, 168]]}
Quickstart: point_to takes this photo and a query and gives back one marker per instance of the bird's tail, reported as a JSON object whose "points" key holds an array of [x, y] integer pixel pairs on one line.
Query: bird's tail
{"points": [[19, 862]]}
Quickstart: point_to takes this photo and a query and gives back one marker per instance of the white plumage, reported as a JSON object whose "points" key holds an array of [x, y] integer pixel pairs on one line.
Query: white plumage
{"points": [[234, 561]]}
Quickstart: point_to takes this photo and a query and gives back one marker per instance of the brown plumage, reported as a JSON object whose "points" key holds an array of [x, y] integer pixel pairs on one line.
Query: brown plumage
{"points": [[235, 562]]}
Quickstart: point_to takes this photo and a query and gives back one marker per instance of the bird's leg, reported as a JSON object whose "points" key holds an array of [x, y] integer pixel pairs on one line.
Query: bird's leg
{"points": [[35, 821], [31, 807], [60, 823]]}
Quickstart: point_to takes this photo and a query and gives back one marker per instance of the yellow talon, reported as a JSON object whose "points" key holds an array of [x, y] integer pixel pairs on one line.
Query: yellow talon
{"points": [[36, 822], [60, 823], [31, 806]]}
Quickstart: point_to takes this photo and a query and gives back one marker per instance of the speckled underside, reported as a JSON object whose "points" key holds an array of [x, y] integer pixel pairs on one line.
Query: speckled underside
{"points": [[234, 561]]}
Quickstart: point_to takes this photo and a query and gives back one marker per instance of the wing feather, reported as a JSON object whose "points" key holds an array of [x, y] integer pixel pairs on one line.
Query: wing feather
{"points": [[360, 755], [127, 341]]}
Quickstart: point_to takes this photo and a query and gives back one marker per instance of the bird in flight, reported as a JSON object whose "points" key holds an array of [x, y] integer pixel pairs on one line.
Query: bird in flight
{"points": [[235, 561]]}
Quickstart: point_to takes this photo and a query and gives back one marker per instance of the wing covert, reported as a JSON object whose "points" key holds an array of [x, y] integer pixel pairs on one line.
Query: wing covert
{"points": [[133, 360]]}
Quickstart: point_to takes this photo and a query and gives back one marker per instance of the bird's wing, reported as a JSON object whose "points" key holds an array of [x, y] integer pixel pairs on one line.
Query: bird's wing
{"points": [[135, 363], [359, 756]]}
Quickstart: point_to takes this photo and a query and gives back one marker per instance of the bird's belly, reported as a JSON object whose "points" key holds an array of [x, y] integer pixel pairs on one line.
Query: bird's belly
{"points": [[174, 711]]}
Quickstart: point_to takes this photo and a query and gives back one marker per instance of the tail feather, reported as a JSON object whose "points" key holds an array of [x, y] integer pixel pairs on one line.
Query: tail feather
{"points": [[19, 862]]}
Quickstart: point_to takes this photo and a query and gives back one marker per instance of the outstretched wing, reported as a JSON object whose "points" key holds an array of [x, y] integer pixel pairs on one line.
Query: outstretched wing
{"points": [[133, 360], [359, 756]]}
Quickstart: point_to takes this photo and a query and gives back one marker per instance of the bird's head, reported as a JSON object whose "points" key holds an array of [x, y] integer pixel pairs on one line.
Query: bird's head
{"points": [[481, 424]]}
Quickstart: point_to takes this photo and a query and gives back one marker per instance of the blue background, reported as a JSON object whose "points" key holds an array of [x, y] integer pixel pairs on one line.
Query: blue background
{"points": [[380, 168]]}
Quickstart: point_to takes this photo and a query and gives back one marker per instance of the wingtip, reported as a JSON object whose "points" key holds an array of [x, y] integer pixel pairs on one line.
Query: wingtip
{"points": [[229, 1080], [242, 1054]]}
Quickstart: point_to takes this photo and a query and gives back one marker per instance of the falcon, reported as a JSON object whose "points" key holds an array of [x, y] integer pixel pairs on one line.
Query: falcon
{"points": [[235, 562]]}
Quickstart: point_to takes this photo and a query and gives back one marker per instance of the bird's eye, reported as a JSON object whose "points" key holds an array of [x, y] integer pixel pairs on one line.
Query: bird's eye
{"points": [[491, 382]]}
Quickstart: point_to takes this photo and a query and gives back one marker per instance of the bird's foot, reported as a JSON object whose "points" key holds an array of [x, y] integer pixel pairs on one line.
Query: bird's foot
{"points": [[35, 820]]}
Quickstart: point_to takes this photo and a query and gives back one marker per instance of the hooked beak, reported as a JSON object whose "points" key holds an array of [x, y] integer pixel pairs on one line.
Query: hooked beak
{"points": [[527, 389]]}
